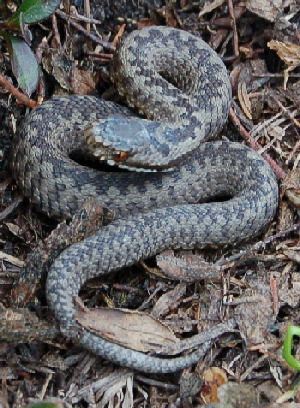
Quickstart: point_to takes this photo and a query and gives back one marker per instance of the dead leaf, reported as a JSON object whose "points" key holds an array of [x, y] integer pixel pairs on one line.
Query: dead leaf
{"points": [[118, 36], [285, 216], [67, 74], [11, 259], [5, 183], [113, 390], [213, 377], [210, 6], [83, 82], [289, 53], [13, 228], [232, 395], [254, 319], [244, 100], [131, 329], [293, 254], [291, 187], [145, 22], [289, 284], [265, 9], [169, 300]]}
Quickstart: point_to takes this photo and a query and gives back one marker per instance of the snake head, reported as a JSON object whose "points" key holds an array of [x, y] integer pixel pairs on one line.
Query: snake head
{"points": [[125, 142]]}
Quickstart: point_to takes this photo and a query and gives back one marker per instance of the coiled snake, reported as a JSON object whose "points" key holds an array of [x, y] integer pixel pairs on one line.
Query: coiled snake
{"points": [[182, 86]]}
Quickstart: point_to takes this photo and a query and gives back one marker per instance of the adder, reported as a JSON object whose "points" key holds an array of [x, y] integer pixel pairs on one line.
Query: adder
{"points": [[189, 194]]}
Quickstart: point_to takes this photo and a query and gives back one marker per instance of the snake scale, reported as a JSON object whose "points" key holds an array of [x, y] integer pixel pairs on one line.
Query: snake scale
{"points": [[182, 87]]}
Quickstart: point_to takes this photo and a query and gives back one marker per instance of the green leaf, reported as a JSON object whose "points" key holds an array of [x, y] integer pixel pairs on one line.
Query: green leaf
{"points": [[288, 344], [17, 24], [23, 62], [35, 11]]}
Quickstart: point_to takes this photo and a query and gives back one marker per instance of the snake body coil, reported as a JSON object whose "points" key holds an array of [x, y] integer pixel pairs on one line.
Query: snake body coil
{"points": [[183, 88]]}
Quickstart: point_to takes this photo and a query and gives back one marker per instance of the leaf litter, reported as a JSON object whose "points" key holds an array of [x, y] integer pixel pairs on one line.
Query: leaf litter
{"points": [[242, 298]]}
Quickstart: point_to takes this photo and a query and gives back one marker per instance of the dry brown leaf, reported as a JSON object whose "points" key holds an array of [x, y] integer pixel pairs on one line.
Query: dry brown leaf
{"points": [[113, 390], [13, 228], [244, 100], [277, 132], [255, 318], [67, 74], [265, 8], [118, 36], [213, 377], [291, 187], [285, 216], [289, 284], [117, 393], [269, 389], [131, 329], [83, 82], [289, 53], [293, 254], [169, 301], [232, 395], [5, 184], [11, 259], [145, 22], [210, 7]]}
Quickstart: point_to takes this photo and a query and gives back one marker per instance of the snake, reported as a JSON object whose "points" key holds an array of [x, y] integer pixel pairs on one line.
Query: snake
{"points": [[188, 191]]}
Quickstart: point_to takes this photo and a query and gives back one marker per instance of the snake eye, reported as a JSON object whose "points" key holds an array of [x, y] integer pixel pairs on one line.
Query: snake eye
{"points": [[121, 156]]}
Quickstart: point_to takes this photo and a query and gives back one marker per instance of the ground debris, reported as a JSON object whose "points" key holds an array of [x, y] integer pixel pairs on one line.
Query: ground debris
{"points": [[239, 299]]}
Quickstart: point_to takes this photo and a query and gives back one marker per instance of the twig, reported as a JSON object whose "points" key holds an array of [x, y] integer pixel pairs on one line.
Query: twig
{"points": [[85, 19], [8, 210], [233, 24], [118, 36], [286, 112], [256, 247], [55, 31], [280, 173], [155, 383], [269, 75], [78, 27], [274, 294], [87, 11], [99, 55], [23, 99]]}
